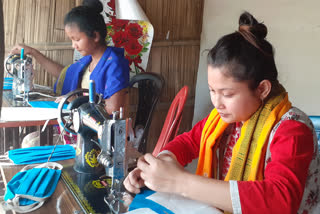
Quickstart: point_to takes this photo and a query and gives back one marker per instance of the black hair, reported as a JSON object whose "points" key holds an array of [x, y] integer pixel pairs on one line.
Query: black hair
{"points": [[246, 54], [88, 18]]}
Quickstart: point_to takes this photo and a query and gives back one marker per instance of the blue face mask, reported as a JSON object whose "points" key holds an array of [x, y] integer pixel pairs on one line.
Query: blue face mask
{"points": [[30, 187], [7, 83], [40, 154]]}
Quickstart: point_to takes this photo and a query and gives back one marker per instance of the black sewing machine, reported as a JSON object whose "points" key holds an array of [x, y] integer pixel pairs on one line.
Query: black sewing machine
{"points": [[106, 145]]}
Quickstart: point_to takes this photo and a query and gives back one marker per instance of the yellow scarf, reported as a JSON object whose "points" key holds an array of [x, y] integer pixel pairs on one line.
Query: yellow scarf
{"points": [[247, 163]]}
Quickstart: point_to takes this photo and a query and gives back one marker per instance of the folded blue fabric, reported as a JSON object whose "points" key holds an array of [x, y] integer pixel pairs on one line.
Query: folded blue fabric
{"points": [[7, 86], [7, 83], [45, 104], [29, 188], [8, 79], [40, 154], [141, 201]]}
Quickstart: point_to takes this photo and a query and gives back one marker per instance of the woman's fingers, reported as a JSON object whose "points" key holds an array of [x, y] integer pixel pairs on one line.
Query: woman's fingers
{"points": [[133, 181], [58, 99], [149, 158], [145, 161], [142, 164], [17, 49]]}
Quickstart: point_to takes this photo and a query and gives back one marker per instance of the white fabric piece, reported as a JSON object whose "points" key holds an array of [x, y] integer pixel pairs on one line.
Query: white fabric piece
{"points": [[235, 197], [11, 114], [179, 204]]}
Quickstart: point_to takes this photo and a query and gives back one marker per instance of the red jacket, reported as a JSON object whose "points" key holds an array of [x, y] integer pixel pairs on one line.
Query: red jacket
{"points": [[281, 191]]}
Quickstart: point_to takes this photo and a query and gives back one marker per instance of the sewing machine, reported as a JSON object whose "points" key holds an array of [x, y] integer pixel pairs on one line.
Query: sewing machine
{"points": [[106, 145], [20, 69]]}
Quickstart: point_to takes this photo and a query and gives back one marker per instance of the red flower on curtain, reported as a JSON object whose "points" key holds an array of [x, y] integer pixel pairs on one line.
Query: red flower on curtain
{"points": [[120, 38], [131, 36], [133, 60], [136, 61], [134, 30], [133, 47], [118, 24]]}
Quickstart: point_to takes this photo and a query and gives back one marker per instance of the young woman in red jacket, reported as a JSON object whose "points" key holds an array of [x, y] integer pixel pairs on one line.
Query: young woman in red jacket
{"points": [[257, 153]]}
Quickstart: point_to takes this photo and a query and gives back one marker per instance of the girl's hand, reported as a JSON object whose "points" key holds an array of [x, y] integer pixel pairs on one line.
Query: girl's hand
{"points": [[163, 174], [17, 49], [133, 181], [58, 99]]}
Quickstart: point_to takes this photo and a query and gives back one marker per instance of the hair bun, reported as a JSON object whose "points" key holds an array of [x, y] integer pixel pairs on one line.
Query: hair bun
{"points": [[95, 5], [259, 30]]}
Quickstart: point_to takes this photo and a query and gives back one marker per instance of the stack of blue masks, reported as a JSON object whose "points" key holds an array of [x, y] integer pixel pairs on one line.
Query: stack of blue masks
{"points": [[40, 154], [7, 83], [29, 188]]}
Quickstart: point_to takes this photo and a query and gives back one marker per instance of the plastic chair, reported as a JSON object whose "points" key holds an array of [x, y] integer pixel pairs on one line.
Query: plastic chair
{"points": [[149, 90], [316, 123], [173, 120]]}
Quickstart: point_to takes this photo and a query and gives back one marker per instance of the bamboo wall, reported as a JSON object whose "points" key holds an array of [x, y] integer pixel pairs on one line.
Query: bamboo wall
{"points": [[174, 53], [39, 23]]}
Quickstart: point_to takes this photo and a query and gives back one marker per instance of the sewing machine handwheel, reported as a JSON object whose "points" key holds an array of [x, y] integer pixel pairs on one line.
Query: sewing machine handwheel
{"points": [[9, 61], [75, 103], [65, 116]]}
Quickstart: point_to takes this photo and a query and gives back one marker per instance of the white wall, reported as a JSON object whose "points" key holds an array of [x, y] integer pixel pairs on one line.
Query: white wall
{"points": [[293, 30]]}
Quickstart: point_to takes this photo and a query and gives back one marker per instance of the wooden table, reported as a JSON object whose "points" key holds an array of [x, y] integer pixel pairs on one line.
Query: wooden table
{"points": [[13, 132], [62, 201], [74, 193]]}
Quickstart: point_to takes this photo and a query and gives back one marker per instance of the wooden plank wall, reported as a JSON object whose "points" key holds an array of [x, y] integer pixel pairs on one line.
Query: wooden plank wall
{"points": [[39, 23], [174, 53]]}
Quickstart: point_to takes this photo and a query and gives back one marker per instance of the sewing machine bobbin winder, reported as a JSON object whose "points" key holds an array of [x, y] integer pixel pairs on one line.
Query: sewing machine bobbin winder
{"points": [[19, 67]]}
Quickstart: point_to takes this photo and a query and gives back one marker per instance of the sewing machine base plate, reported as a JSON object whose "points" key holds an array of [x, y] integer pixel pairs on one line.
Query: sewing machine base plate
{"points": [[87, 190]]}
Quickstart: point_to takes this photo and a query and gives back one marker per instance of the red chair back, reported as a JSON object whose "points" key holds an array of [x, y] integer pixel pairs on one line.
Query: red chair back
{"points": [[173, 120]]}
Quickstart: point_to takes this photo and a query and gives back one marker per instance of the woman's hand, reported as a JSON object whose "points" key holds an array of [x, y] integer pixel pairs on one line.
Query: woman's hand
{"points": [[58, 99], [133, 181], [49, 65], [163, 173], [17, 49]]}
